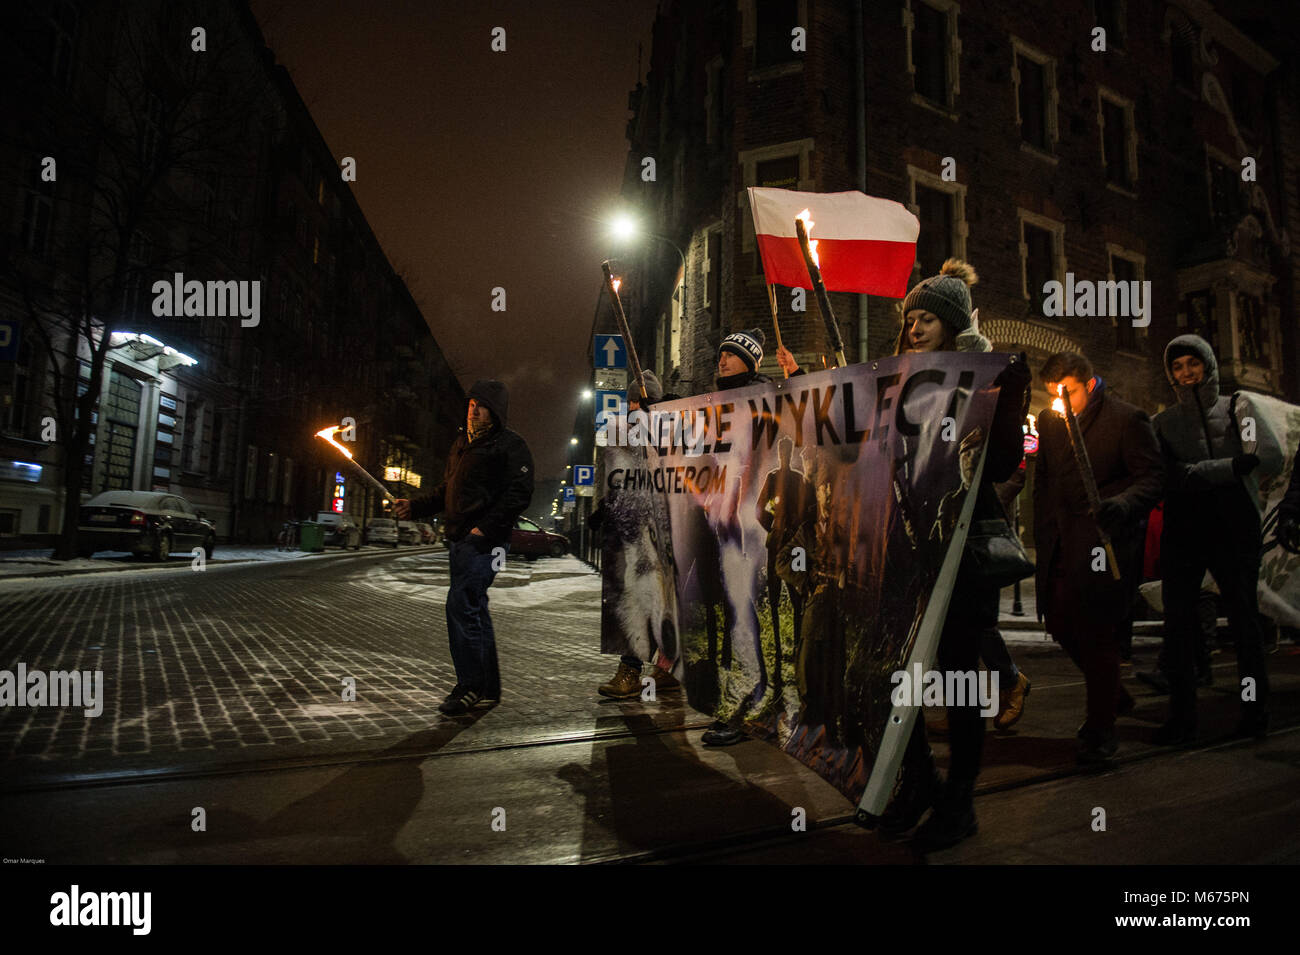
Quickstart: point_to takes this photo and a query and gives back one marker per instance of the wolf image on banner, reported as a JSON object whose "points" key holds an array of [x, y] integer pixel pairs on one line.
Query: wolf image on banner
{"points": [[845, 485]]}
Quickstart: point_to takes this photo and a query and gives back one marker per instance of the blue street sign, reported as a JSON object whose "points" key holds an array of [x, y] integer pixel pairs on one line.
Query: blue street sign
{"points": [[584, 475], [9, 340], [609, 402], [610, 352], [569, 494]]}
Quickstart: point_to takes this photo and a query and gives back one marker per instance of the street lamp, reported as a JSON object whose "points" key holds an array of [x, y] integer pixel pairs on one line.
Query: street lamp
{"points": [[573, 441], [586, 394], [624, 228]]}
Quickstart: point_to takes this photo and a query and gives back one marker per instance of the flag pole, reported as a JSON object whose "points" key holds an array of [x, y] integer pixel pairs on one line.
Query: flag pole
{"points": [[823, 300], [633, 362], [771, 301]]}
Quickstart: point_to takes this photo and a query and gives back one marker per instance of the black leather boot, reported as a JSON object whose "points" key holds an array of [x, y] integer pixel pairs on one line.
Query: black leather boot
{"points": [[953, 818], [918, 790]]}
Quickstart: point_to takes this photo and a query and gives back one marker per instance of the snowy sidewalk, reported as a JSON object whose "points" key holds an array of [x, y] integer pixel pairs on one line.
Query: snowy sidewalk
{"points": [[41, 563]]}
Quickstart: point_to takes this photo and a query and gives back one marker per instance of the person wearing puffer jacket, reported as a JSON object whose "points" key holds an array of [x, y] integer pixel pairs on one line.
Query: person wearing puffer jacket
{"points": [[1211, 521]]}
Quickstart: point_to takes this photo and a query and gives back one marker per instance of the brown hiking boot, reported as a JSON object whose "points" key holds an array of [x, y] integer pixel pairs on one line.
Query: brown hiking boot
{"points": [[1012, 703], [625, 685], [664, 680]]}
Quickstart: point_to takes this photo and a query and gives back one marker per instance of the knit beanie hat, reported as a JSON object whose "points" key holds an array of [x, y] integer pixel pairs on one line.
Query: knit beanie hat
{"points": [[653, 390], [748, 345], [1177, 350], [947, 295]]}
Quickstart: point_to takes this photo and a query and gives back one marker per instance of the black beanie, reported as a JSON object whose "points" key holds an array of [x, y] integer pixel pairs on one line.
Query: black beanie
{"points": [[748, 345], [1182, 350]]}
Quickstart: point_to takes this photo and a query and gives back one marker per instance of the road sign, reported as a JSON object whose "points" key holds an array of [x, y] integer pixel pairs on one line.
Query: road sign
{"points": [[610, 352], [610, 402], [611, 379], [568, 495], [584, 475], [9, 341], [569, 506], [587, 491]]}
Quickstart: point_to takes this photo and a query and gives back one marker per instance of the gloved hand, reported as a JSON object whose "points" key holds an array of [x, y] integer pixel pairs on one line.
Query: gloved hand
{"points": [[1243, 464], [1113, 514], [1017, 378], [1288, 534]]}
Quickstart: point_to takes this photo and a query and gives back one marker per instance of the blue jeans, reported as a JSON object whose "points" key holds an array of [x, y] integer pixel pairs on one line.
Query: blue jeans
{"points": [[469, 627]]}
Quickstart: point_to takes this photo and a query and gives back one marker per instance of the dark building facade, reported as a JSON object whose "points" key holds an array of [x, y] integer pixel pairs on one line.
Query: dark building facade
{"points": [[217, 407], [1170, 157]]}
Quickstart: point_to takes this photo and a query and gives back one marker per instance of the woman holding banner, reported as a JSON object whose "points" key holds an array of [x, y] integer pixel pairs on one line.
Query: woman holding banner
{"points": [[937, 316]]}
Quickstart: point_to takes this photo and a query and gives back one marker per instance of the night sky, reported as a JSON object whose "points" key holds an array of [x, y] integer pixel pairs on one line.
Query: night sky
{"points": [[478, 169]]}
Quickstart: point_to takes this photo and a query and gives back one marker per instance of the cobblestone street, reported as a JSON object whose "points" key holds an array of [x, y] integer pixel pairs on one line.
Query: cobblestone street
{"points": [[248, 662]]}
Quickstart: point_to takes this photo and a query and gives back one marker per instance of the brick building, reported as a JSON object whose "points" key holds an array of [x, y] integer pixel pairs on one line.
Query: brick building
{"points": [[207, 406], [1020, 145]]}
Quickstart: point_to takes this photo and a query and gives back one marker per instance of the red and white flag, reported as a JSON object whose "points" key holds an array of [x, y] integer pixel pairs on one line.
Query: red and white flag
{"points": [[860, 243]]}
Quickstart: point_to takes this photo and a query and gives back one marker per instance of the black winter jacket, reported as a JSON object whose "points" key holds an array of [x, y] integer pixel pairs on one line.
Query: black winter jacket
{"points": [[488, 482]]}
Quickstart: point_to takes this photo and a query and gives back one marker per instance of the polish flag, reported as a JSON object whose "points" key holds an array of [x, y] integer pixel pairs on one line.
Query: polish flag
{"points": [[860, 243]]}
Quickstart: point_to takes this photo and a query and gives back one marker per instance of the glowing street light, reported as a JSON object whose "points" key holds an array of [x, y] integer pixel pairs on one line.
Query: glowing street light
{"points": [[573, 441]]}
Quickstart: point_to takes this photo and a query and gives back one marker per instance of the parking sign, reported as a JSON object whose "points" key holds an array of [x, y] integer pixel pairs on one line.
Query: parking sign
{"points": [[584, 475], [610, 403], [569, 494]]}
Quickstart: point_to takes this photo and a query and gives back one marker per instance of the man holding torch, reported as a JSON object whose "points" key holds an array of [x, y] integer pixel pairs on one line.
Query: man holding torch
{"points": [[1099, 473], [487, 485]]}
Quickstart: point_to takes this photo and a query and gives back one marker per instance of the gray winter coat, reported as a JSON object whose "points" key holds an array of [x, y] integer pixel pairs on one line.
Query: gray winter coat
{"points": [[1196, 474]]}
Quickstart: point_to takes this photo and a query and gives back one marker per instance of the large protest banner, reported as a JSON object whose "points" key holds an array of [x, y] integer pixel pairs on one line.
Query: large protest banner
{"points": [[781, 544], [1279, 584]]}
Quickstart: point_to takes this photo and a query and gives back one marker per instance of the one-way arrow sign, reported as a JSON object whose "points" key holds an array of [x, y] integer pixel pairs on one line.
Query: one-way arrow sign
{"points": [[609, 351]]}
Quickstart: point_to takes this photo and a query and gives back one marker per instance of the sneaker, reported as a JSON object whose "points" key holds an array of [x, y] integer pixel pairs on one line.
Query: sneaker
{"points": [[460, 703], [1012, 703], [917, 791], [664, 680], [625, 685]]}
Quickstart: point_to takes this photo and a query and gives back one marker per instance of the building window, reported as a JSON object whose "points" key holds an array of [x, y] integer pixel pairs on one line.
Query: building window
{"points": [[774, 23], [1227, 204], [1252, 332], [713, 275], [1042, 256], [1033, 78], [714, 97], [1181, 37], [1118, 138], [121, 410], [1199, 308], [1126, 266], [38, 210], [1111, 18], [933, 48], [941, 207]]}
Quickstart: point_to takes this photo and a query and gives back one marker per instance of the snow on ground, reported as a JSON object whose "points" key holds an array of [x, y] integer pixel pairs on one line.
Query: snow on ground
{"points": [[21, 563]]}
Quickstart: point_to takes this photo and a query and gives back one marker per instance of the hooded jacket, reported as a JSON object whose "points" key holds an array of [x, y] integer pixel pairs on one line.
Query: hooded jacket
{"points": [[1199, 438], [489, 480]]}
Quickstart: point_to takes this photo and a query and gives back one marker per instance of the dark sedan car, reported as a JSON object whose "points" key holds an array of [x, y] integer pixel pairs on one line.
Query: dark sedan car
{"points": [[144, 523], [531, 541]]}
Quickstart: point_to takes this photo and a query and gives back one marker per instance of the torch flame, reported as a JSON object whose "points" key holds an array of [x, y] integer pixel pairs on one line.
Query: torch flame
{"points": [[617, 283], [1058, 403], [328, 435], [806, 216]]}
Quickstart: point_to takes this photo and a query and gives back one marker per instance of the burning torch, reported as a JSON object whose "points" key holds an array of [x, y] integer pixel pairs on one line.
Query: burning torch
{"points": [[802, 224], [633, 362], [1085, 473], [327, 434]]}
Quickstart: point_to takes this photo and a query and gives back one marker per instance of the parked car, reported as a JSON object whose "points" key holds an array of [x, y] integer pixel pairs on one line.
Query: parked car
{"points": [[340, 530], [531, 541], [407, 532], [427, 534], [146, 523], [382, 530]]}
